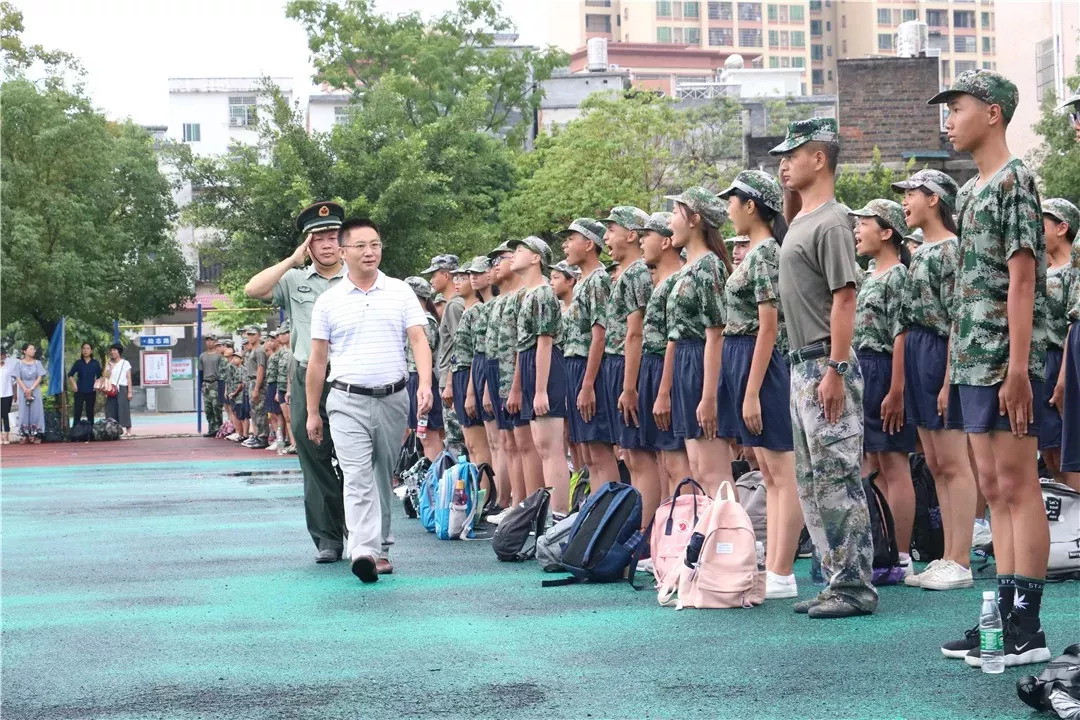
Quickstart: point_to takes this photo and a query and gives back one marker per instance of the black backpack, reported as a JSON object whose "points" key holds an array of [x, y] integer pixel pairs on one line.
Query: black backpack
{"points": [[520, 528], [53, 432], [1062, 675], [486, 472], [927, 535], [606, 538], [411, 452], [82, 431], [887, 569]]}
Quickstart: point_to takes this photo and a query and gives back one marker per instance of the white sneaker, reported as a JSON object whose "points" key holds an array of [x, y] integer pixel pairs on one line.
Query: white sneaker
{"points": [[498, 518], [948, 576], [235, 437], [981, 535], [780, 586], [914, 580], [646, 566]]}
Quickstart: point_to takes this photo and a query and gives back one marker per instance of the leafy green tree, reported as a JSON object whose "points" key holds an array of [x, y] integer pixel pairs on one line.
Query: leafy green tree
{"points": [[855, 188], [1058, 157], [781, 113]]}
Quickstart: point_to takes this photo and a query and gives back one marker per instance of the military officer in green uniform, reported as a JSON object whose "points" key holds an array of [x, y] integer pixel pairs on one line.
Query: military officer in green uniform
{"points": [[210, 364], [294, 285]]}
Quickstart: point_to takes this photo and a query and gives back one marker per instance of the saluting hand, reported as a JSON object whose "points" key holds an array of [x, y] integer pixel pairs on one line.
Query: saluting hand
{"points": [[301, 254]]}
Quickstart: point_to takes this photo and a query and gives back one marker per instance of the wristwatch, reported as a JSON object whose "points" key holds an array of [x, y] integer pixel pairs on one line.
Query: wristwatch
{"points": [[841, 367]]}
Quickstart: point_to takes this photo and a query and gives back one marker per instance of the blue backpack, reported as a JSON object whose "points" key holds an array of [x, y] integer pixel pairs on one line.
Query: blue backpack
{"points": [[456, 500], [605, 539], [430, 487]]}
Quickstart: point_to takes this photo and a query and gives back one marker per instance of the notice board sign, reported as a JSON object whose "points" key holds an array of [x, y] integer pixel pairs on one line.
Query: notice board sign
{"points": [[156, 368]]}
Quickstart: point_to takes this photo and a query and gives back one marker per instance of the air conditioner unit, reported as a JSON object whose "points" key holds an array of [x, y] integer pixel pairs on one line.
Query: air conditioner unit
{"points": [[236, 122]]}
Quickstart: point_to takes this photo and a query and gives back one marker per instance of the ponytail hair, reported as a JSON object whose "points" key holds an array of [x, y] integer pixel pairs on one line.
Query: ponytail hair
{"points": [[897, 240], [944, 211], [775, 220], [713, 241]]}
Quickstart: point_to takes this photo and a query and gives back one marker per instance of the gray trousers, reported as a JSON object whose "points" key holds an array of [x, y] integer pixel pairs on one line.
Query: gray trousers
{"points": [[367, 434]]}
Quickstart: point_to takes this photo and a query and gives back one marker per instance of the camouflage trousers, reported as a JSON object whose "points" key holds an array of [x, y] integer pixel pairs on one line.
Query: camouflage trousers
{"points": [[259, 425], [455, 438], [211, 404], [828, 471]]}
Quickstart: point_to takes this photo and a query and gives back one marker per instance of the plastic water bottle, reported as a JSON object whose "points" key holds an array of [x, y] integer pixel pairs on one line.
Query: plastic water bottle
{"points": [[459, 504], [421, 427], [759, 551], [991, 640]]}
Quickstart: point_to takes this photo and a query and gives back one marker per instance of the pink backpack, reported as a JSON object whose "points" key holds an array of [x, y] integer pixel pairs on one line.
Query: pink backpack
{"points": [[725, 573], [673, 524]]}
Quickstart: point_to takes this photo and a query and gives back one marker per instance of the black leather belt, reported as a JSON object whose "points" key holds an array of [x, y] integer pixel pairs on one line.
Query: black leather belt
{"points": [[377, 391], [810, 352]]}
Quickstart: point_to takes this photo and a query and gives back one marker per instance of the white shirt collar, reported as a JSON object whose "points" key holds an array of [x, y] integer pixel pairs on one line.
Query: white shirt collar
{"points": [[380, 284]]}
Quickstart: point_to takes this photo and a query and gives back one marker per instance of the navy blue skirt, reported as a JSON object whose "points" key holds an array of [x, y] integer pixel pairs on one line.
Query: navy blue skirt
{"points": [[974, 409], [649, 436], [613, 373], [774, 396], [479, 379], [556, 384], [1050, 428], [1070, 419], [925, 356], [435, 419], [600, 428], [686, 394], [272, 406], [460, 382], [877, 378]]}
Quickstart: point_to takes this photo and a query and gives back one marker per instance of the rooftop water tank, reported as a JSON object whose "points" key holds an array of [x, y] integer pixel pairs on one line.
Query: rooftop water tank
{"points": [[596, 54]]}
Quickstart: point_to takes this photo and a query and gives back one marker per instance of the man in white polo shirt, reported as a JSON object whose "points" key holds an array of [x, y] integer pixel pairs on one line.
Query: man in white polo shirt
{"points": [[361, 326]]}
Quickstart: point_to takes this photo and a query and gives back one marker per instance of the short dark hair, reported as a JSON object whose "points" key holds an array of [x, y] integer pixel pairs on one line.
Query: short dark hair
{"points": [[356, 222], [118, 348], [1070, 234]]}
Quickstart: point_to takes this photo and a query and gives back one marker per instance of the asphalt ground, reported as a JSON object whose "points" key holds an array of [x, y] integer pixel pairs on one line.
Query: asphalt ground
{"points": [[186, 588]]}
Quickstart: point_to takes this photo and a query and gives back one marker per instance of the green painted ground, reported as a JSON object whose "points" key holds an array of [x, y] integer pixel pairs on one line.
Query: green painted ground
{"points": [[179, 591]]}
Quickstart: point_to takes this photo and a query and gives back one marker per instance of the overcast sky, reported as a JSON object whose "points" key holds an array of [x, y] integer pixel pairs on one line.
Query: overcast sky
{"points": [[131, 47]]}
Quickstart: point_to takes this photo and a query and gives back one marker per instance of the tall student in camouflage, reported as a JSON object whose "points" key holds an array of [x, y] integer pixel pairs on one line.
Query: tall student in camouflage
{"points": [[461, 359], [702, 411], [255, 376], [433, 442], [1060, 220], [656, 374], [486, 293], [273, 408], [880, 336], [284, 382], [818, 273], [564, 277], [584, 338], [755, 369], [210, 365], [630, 293], [997, 354], [929, 202]]}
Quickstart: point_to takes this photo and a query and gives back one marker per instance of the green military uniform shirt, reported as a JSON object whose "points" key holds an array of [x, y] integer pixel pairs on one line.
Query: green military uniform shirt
{"points": [[272, 368], [465, 338], [629, 293], [210, 365], [996, 221], [232, 379], [506, 339], [539, 314], [254, 358], [296, 292], [284, 361], [1059, 288], [490, 325], [588, 307], [931, 278], [696, 301], [879, 310], [755, 281], [431, 332], [654, 327]]}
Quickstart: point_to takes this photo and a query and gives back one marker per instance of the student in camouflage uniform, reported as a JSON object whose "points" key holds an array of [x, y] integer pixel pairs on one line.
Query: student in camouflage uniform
{"points": [[818, 273], [740, 245], [584, 338], [449, 308], [480, 278], [653, 417], [997, 353], [701, 407], [1072, 105], [929, 202], [235, 388], [255, 369], [273, 409], [563, 278], [224, 372], [880, 336], [755, 369], [210, 364], [284, 376], [433, 442], [461, 361], [1061, 448]]}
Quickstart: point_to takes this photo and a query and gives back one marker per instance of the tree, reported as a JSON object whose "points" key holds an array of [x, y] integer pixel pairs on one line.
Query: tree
{"points": [[780, 113], [855, 188], [1058, 157]]}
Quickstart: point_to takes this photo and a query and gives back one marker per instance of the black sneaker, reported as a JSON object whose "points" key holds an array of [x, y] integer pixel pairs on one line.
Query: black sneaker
{"points": [[1021, 647], [959, 649]]}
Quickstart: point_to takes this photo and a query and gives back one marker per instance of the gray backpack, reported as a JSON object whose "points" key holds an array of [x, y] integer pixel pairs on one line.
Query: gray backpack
{"points": [[751, 489], [549, 547], [1063, 515]]}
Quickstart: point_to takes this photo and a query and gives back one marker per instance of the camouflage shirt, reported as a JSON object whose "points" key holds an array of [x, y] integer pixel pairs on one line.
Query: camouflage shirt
{"points": [[997, 220], [540, 313], [755, 281], [232, 375], [272, 368], [465, 337], [1060, 283], [490, 345], [506, 330], [879, 310], [284, 361], [697, 299], [930, 280], [1074, 298], [629, 294], [655, 326], [432, 332], [589, 307]]}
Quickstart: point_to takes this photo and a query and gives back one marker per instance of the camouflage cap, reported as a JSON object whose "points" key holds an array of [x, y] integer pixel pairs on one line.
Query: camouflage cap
{"points": [[800, 132], [1063, 211], [626, 216], [442, 262], [659, 222], [935, 181], [889, 211], [739, 239], [759, 185], [986, 85], [272, 334], [537, 246], [589, 228], [916, 236], [1073, 101], [501, 248], [704, 203], [439, 299], [420, 286], [284, 327], [570, 271], [252, 330], [478, 265]]}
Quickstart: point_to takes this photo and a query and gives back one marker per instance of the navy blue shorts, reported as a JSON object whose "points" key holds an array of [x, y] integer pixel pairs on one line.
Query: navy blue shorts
{"points": [[612, 374], [272, 406], [435, 421], [686, 394], [556, 384], [1070, 419], [504, 420], [479, 380], [241, 407], [1050, 428], [877, 378], [460, 382], [281, 397], [221, 391], [974, 409], [600, 429], [774, 396], [650, 437], [925, 356]]}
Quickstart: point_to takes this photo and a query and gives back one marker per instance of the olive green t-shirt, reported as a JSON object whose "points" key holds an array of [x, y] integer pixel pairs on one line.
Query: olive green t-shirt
{"points": [[296, 292]]}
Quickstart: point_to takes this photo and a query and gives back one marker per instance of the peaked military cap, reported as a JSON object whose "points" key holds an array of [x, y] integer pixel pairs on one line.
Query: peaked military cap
{"points": [[759, 185], [535, 245], [659, 222], [1063, 211], [890, 212], [703, 202], [324, 215], [800, 132], [626, 216], [935, 181], [589, 228], [991, 87], [442, 262]]}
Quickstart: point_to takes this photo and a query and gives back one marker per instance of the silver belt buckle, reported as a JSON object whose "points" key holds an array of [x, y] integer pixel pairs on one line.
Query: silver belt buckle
{"points": [[380, 391]]}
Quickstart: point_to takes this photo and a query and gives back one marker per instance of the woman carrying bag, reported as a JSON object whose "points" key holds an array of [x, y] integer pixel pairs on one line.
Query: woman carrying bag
{"points": [[118, 389]]}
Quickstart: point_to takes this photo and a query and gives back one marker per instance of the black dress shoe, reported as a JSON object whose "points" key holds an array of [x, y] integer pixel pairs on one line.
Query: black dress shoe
{"points": [[364, 567]]}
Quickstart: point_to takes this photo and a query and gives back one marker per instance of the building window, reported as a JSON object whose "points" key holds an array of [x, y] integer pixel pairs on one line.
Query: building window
{"points": [[884, 17], [597, 3], [828, 50], [988, 45], [774, 39], [815, 5], [241, 110], [830, 76], [944, 71], [910, 15], [724, 37], [962, 66], [343, 114], [1044, 68], [192, 132], [987, 65], [752, 12], [209, 272], [817, 52], [987, 21], [798, 62], [815, 28], [663, 34], [691, 10], [843, 22], [828, 26], [750, 38], [772, 13], [663, 8], [598, 23], [964, 43], [693, 36], [720, 11], [798, 39], [774, 61], [937, 18], [817, 77], [797, 13], [963, 18], [884, 42], [939, 42], [785, 62]]}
